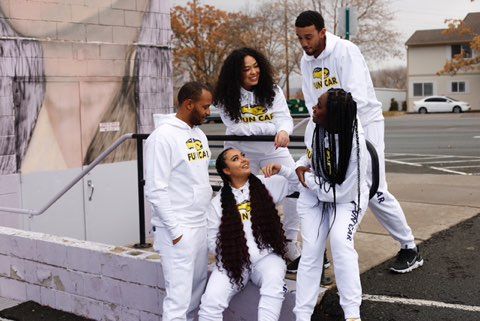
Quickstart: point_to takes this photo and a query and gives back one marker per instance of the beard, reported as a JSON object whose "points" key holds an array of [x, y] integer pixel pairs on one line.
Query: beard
{"points": [[196, 118]]}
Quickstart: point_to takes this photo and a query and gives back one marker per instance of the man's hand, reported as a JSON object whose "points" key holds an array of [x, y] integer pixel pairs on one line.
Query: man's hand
{"points": [[282, 139], [175, 241], [300, 171], [271, 169]]}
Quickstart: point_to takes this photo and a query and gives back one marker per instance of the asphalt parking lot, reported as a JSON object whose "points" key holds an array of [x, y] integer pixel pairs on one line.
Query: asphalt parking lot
{"points": [[447, 287]]}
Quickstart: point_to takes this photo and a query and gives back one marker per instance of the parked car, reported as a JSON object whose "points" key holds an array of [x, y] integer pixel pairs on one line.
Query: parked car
{"points": [[214, 115], [435, 104]]}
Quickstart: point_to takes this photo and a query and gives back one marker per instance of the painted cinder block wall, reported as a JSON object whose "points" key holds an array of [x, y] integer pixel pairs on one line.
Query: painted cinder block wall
{"points": [[102, 282], [68, 65]]}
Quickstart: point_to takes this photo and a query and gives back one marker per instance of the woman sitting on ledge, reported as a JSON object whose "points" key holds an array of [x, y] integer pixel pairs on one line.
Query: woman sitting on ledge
{"points": [[246, 235]]}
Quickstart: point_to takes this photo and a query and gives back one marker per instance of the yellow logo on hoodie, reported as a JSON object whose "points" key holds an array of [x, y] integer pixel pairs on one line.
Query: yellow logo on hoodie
{"points": [[309, 153], [320, 74], [197, 147], [255, 113], [244, 209]]}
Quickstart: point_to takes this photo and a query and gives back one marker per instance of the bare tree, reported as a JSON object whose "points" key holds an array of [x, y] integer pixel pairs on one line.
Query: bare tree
{"points": [[376, 37], [390, 78], [267, 34], [203, 37]]}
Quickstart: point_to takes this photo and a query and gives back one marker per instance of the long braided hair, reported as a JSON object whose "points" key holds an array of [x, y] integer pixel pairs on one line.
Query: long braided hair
{"points": [[227, 90], [232, 249], [332, 144]]}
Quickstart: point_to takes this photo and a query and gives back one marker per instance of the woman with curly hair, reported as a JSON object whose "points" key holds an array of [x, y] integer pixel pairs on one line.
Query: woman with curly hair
{"points": [[250, 103], [246, 235], [332, 202]]}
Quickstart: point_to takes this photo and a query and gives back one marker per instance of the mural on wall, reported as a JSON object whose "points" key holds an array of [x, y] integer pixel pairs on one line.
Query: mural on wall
{"points": [[74, 78]]}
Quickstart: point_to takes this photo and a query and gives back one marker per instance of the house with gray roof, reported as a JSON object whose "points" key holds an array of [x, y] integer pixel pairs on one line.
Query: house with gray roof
{"points": [[427, 53]]}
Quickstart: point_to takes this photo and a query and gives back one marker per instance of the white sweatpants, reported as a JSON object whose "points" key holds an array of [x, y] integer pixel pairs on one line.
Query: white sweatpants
{"points": [[268, 273], [184, 268], [384, 205], [291, 222], [314, 233]]}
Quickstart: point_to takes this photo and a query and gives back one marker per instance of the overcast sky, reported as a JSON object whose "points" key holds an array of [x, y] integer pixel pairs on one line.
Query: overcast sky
{"points": [[410, 15]]}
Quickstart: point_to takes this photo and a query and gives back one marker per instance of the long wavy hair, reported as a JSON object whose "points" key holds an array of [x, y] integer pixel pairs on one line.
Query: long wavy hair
{"points": [[329, 161], [232, 249], [227, 90]]}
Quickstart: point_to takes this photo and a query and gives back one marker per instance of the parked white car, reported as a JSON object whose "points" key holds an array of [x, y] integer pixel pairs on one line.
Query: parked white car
{"points": [[214, 115], [434, 104]]}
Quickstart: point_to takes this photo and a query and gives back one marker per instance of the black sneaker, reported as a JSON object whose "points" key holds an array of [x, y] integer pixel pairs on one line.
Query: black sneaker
{"points": [[407, 260], [292, 267]]}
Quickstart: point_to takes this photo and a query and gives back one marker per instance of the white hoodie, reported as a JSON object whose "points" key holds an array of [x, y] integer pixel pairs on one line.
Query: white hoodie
{"points": [[340, 65], [176, 176], [258, 120], [279, 186], [347, 191]]}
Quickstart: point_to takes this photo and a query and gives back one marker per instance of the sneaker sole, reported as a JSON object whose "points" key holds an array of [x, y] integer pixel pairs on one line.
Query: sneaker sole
{"points": [[410, 269]]}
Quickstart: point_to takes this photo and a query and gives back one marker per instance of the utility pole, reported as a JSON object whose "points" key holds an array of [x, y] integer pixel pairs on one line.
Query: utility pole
{"points": [[347, 23], [286, 51]]}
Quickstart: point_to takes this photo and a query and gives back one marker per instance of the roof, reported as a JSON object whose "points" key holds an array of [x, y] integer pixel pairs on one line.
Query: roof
{"points": [[436, 36]]}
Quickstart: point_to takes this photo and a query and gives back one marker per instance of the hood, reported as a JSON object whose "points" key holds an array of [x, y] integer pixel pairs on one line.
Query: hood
{"points": [[171, 119], [331, 43]]}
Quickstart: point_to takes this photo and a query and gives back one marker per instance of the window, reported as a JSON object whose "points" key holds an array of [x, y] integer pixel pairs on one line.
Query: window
{"points": [[458, 86], [432, 100], [465, 49], [427, 89], [423, 89]]}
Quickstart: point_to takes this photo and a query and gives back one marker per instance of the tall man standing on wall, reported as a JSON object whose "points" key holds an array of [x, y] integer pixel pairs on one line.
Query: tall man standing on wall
{"points": [[178, 188], [332, 62]]}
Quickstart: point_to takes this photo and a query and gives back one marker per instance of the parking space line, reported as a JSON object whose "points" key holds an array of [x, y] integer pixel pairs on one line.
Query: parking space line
{"points": [[419, 302], [455, 156], [454, 161], [449, 171], [423, 158], [402, 163], [467, 166]]}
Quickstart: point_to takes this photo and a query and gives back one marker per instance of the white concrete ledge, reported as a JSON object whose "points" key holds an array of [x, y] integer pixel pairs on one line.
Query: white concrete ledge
{"points": [[95, 280]]}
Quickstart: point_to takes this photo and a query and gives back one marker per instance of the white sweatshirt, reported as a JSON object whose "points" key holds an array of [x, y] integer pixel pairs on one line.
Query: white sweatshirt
{"points": [[340, 65], [176, 176], [279, 186], [347, 191]]}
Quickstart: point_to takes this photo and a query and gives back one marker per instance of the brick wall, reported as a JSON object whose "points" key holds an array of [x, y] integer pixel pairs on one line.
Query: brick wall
{"points": [[98, 281]]}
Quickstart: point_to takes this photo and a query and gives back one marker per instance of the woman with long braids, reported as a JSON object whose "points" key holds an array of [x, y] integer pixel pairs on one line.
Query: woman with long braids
{"points": [[246, 235], [250, 104], [332, 202]]}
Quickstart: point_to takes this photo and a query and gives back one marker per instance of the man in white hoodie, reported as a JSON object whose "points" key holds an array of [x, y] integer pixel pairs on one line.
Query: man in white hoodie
{"points": [[332, 62], [178, 188]]}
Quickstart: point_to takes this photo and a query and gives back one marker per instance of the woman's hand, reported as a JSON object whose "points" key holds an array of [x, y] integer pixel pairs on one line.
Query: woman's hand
{"points": [[282, 139], [271, 169], [175, 241], [300, 171]]}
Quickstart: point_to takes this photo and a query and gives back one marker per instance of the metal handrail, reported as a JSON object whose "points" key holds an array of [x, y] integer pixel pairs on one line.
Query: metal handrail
{"points": [[141, 182], [84, 172]]}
